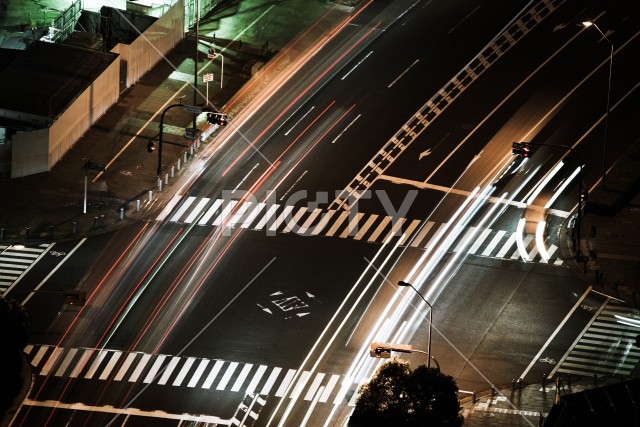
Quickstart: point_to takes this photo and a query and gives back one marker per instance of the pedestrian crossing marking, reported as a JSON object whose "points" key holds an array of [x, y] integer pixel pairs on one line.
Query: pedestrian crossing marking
{"points": [[15, 262], [196, 376], [372, 228], [606, 346]]}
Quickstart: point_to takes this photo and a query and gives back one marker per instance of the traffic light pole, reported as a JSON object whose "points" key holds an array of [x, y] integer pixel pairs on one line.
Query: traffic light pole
{"points": [[159, 170], [579, 215]]}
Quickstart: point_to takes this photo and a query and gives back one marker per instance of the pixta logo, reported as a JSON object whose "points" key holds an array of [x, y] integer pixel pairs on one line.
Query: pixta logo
{"points": [[238, 206]]}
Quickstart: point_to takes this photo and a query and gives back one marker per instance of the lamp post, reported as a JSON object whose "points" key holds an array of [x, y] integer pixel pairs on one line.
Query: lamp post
{"points": [[159, 170], [211, 54], [606, 119], [401, 283]]}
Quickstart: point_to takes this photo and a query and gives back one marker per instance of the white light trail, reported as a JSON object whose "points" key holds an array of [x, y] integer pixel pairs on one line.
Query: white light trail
{"points": [[519, 239], [540, 241], [562, 188], [544, 182]]}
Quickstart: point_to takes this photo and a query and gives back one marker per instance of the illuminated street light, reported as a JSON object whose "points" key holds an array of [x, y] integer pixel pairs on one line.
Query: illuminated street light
{"points": [[606, 119], [401, 283], [382, 350]]}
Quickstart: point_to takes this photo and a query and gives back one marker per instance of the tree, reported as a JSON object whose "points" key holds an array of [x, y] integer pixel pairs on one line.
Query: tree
{"points": [[398, 396], [13, 338]]}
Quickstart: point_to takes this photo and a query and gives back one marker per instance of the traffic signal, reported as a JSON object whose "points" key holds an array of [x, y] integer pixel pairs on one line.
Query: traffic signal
{"points": [[151, 146], [584, 195], [217, 119], [73, 297], [522, 149]]}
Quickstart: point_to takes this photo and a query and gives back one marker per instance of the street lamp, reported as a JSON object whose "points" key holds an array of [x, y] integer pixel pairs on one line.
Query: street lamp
{"points": [[382, 350], [401, 283], [211, 54], [606, 119]]}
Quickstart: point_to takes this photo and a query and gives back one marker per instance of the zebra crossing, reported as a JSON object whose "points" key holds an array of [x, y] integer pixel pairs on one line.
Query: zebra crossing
{"points": [[371, 228], [606, 346], [189, 372], [15, 262]]}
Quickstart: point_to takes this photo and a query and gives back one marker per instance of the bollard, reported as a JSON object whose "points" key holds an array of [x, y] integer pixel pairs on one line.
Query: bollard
{"points": [[1, 233], [73, 227], [159, 184], [50, 231], [569, 379], [493, 391], [519, 383], [102, 220], [172, 171], [150, 196], [191, 150], [166, 179], [95, 222], [474, 398], [137, 205], [28, 232], [185, 157], [121, 213], [544, 382], [178, 164], [513, 385]]}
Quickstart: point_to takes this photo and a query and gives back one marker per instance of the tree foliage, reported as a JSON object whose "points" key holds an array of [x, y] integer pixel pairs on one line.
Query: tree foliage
{"points": [[398, 396]]}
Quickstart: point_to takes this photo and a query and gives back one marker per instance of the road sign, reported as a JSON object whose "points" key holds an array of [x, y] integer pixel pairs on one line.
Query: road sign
{"points": [[192, 108], [95, 166], [207, 78]]}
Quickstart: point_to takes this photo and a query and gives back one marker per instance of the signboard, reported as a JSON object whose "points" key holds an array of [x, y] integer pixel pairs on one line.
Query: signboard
{"points": [[95, 166], [207, 77], [192, 108]]}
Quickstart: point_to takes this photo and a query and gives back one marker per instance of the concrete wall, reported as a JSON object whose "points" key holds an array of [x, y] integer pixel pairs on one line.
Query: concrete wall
{"points": [[38, 151], [157, 40]]}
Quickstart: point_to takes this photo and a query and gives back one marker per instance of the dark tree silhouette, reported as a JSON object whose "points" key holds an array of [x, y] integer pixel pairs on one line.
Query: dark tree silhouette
{"points": [[398, 396], [13, 338]]}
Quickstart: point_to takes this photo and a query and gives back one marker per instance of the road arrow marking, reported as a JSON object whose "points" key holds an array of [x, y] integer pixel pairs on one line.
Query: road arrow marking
{"points": [[424, 153]]}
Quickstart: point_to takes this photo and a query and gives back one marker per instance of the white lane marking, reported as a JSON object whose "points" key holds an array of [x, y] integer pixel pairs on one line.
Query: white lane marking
{"points": [[256, 379], [213, 374], [199, 371], [210, 212], [139, 368], [168, 370], [65, 363], [154, 369], [96, 363], [182, 209], [112, 363], [184, 371], [266, 388], [196, 211], [167, 209], [241, 377], [125, 366], [508, 244], [494, 242], [227, 376], [285, 383]]}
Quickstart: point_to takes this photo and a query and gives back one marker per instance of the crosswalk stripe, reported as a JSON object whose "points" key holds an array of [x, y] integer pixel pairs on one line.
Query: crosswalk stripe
{"points": [[65, 362], [182, 209], [378, 231], [96, 363], [423, 232], [272, 209], [266, 388], [224, 215], [285, 382], [139, 368], [169, 370], [352, 225], [294, 221], [84, 359], [51, 361], [338, 222], [365, 227], [311, 391], [280, 219], [478, 242], [329, 388], [125, 366], [507, 246], [199, 371], [256, 379], [437, 236], [210, 212], [525, 242], [196, 211], [396, 229], [243, 375], [465, 239], [307, 224], [39, 355], [154, 369], [213, 374], [252, 216], [227, 376], [169, 207], [323, 222], [184, 371], [408, 231], [300, 384], [110, 365], [494, 242]]}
